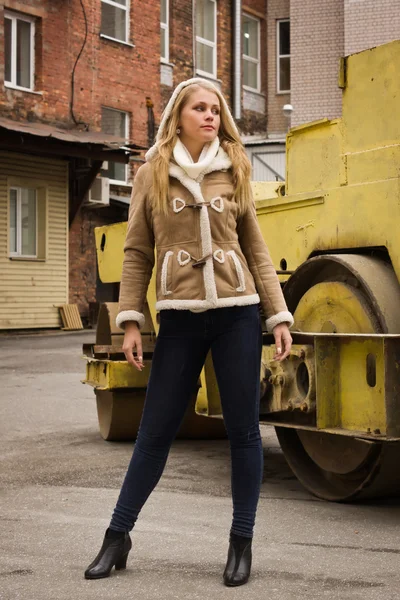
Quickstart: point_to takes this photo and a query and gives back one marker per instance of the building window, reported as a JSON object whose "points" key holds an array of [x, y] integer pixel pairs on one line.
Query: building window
{"points": [[251, 53], [206, 37], [115, 122], [19, 50], [23, 222], [165, 30], [283, 54], [115, 19]]}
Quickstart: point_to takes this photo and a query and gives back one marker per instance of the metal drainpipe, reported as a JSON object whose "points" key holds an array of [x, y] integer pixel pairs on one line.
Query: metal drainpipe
{"points": [[237, 53], [194, 36]]}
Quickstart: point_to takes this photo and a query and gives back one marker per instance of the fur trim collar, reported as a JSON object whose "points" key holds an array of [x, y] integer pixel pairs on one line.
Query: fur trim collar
{"points": [[184, 159], [219, 163], [189, 183]]}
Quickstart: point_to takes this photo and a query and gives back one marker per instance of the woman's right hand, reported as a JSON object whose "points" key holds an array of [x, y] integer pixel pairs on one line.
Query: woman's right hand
{"points": [[132, 340]]}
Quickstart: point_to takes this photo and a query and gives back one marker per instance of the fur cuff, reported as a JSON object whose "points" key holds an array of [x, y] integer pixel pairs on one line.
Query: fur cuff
{"points": [[282, 317], [129, 315]]}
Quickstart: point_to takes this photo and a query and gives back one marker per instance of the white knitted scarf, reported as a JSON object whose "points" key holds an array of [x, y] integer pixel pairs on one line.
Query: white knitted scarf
{"points": [[184, 159]]}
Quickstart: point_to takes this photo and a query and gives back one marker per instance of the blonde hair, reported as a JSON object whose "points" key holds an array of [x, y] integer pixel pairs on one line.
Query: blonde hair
{"points": [[229, 140]]}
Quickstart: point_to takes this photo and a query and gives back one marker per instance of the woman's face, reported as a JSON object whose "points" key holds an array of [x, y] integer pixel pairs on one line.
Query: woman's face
{"points": [[200, 117]]}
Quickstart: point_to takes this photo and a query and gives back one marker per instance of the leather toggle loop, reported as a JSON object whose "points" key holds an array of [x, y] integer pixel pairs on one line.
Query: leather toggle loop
{"points": [[178, 204], [217, 204], [219, 256], [183, 257]]}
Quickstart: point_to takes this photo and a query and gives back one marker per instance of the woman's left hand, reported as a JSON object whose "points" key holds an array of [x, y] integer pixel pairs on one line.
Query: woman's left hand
{"points": [[283, 341]]}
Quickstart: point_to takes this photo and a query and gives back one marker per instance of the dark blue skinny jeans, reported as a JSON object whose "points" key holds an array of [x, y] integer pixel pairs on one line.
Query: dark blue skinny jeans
{"points": [[234, 336]]}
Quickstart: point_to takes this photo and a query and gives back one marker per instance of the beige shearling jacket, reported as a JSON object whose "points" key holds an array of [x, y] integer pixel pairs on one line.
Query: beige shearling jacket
{"points": [[207, 255]]}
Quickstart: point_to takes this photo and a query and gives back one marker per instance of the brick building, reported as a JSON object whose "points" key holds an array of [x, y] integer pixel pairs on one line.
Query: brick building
{"points": [[320, 34], [105, 68], [67, 66]]}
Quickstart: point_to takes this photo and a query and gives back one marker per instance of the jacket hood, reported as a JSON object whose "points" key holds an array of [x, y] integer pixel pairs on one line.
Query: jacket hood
{"points": [[150, 154]]}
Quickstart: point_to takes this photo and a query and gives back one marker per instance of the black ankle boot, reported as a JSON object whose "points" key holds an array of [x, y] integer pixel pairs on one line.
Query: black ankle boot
{"points": [[114, 551], [238, 564]]}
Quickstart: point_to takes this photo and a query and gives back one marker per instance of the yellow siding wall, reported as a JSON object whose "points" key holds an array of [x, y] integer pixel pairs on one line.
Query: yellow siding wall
{"points": [[31, 290]]}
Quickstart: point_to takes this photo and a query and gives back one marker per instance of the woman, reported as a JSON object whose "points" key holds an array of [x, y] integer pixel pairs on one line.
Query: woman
{"points": [[192, 199]]}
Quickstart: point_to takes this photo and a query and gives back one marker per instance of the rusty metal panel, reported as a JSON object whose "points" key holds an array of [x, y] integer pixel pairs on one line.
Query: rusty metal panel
{"points": [[327, 384], [392, 388], [113, 374], [64, 135], [110, 251], [352, 386], [289, 385], [350, 163], [351, 392]]}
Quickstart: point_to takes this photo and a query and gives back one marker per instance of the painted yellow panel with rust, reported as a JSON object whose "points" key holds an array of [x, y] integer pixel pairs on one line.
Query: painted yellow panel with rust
{"points": [[371, 98], [111, 374], [342, 187], [110, 251], [345, 400]]}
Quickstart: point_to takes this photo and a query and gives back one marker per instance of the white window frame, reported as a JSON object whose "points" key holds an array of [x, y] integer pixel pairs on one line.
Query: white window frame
{"points": [[254, 60], [212, 45], [127, 127], [165, 26], [14, 17], [127, 21], [18, 228], [279, 56]]}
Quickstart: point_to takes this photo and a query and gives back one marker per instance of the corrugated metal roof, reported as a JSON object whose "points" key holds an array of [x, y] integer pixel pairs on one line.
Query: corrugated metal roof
{"points": [[261, 140], [68, 135]]}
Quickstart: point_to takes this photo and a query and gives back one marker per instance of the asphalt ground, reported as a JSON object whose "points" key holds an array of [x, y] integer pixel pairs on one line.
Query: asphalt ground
{"points": [[59, 482]]}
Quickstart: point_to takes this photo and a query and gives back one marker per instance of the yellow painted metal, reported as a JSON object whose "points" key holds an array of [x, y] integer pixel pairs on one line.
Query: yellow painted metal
{"points": [[113, 374], [345, 400], [372, 74], [208, 400], [342, 188], [333, 307], [151, 301], [267, 189], [110, 251]]}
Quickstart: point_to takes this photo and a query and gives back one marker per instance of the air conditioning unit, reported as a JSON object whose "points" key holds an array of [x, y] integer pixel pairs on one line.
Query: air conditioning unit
{"points": [[99, 193]]}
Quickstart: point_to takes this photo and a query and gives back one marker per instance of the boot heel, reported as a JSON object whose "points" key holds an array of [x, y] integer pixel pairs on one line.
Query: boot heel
{"points": [[114, 551], [121, 564], [238, 565]]}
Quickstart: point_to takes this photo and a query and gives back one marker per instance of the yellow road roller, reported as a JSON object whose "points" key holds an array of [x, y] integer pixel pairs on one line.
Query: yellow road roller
{"points": [[331, 229]]}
